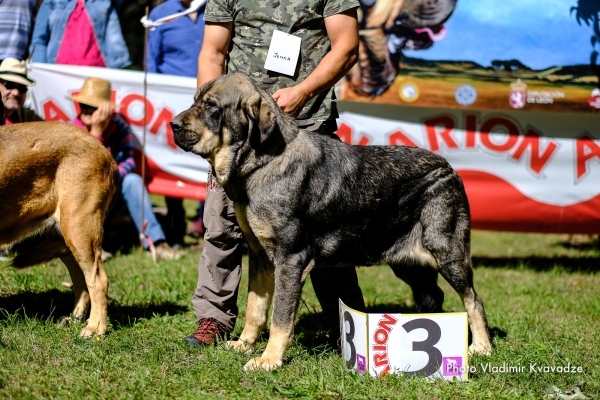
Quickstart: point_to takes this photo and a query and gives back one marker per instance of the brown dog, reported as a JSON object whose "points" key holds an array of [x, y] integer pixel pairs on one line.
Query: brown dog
{"points": [[57, 183]]}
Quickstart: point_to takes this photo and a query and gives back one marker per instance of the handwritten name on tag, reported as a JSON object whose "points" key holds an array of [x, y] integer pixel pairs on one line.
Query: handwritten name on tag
{"points": [[283, 53]]}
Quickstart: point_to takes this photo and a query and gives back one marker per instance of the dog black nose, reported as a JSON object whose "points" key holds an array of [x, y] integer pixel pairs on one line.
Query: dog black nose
{"points": [[175, 125]]}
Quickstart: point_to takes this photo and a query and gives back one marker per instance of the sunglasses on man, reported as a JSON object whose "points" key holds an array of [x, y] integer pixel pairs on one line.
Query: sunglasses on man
{"points": [[13, 85]]}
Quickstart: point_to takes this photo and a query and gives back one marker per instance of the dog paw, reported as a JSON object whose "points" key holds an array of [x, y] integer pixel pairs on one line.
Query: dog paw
{"points": [[266, 363], [91, 331], [480, 349], [240, 346]]}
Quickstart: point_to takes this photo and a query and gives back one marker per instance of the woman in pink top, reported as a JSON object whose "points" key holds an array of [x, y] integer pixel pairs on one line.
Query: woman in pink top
{"points": [[79, 32]]}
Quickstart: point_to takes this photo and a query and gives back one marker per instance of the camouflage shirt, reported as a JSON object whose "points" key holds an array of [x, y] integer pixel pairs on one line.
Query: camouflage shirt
{"points": [[253, 25]]}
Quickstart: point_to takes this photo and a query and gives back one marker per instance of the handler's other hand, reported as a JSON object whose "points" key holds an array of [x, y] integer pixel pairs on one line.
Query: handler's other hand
{"points": [[291, 100], [100, 119]]}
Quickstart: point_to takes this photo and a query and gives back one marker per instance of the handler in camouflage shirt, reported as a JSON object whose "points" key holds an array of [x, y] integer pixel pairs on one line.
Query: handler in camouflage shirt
{"points": [[237, 37]]}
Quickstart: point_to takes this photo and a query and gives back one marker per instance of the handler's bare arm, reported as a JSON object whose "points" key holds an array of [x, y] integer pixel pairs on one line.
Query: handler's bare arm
{"points": [[342, 30], [211, 61]]}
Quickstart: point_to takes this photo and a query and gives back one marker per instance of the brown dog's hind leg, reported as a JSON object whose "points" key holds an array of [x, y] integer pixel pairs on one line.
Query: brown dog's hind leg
{"points": [[81, 225], [82, 296], [88, 252], [260, 293]]}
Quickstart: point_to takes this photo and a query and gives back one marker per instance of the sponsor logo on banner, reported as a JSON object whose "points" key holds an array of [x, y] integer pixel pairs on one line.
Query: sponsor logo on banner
{"points": [[452, 366], [465, 95], [544, 96], [361, 364], [594, 99], [409, 92], [518, 94]]}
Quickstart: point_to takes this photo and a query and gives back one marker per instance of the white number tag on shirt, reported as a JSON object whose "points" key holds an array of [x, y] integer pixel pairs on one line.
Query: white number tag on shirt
{"points": [[283, 53], [428, 345]]}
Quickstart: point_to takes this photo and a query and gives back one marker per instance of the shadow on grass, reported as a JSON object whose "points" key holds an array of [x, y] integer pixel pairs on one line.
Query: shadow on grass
{"points": [[570, 264], [585, 246], [54, 304]]}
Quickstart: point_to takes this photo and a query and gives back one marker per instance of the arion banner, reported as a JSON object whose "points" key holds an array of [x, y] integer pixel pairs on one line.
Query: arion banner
{"points": [[523, 171], [170, 170]]}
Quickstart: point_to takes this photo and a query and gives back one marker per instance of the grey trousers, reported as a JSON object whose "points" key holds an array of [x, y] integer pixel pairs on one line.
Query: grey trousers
{"points": [[220, 269]]}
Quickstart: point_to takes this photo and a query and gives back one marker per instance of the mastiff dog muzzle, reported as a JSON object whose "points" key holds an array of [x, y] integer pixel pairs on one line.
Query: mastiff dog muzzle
{"points": [[305, 200]]}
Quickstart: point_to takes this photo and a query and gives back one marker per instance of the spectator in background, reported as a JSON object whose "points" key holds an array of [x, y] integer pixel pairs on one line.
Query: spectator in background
{"points": [[79, 32], [13, 90], [15, 27], [114, 132], [173, 49], [14, 83]]}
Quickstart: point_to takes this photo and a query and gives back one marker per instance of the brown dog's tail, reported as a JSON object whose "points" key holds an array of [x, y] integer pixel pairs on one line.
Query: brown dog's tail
{"points": [[39, 249]]}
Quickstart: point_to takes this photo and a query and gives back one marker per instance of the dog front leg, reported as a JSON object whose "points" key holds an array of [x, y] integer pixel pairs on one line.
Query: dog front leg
{"points": [[82, 296], [260, 292], [288, 289]]}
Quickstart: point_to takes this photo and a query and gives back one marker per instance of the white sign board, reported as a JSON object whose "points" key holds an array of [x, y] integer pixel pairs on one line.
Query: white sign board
{"points": [[429, 345]]}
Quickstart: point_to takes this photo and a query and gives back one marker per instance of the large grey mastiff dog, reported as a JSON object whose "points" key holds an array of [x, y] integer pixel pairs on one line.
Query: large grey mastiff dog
{"points": [[305, 200]]}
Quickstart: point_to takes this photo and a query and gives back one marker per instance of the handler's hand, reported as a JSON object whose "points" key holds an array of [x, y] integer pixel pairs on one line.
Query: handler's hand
{"points": [[100, 119], [291, 100]]}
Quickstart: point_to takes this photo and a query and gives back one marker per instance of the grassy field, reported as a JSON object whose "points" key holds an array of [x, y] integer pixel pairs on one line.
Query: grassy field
{"points": [[541, 294]]}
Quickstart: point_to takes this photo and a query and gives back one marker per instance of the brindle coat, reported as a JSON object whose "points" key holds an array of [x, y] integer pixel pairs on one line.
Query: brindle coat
{"points": [[57, 183], [305, 200]]}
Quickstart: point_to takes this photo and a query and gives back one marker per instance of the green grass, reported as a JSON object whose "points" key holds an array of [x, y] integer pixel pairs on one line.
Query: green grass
{"points": [[541, 294]]}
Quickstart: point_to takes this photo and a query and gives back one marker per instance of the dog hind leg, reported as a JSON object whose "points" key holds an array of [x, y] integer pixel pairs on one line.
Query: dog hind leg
{"points": [[446, 235], [428, 296], [83, 234], [82, 296]]}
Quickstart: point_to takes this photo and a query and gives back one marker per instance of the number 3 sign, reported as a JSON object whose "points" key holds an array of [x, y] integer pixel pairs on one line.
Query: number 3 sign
{"points": [[428, 345]]}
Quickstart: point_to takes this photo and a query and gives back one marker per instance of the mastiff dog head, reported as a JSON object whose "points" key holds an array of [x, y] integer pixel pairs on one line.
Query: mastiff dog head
{"points": [[232, 124]]}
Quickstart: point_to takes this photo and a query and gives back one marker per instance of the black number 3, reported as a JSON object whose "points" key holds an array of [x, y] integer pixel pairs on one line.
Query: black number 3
{"points": [[434, 333], [349, 339]]}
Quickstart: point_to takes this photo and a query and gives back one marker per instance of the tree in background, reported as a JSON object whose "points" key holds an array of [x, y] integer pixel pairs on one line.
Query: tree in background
{"points": [[588, 11]]}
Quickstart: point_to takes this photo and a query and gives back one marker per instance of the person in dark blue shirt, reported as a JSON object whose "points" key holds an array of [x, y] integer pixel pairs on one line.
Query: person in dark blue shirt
{"points": [[173, 49]]}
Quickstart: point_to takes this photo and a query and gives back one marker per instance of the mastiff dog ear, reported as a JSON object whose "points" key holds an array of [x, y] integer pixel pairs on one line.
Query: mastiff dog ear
{"points": [[1, 112], [262, 120]]}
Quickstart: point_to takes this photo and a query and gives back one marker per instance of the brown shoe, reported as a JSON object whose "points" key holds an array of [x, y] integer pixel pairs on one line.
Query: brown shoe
{"points": [[166, 252], [209, 329]]}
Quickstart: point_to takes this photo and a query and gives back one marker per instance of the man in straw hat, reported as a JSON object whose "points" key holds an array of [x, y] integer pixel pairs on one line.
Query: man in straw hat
{"points": [[14, 83], [113, 131], [13, 90]]}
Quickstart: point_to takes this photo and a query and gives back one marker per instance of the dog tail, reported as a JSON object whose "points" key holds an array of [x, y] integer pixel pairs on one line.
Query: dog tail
{"points": [[39, 249]]}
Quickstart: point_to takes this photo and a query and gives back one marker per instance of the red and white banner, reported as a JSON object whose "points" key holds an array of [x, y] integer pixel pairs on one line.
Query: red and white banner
{"points": [[170, 171], [523, 171]]}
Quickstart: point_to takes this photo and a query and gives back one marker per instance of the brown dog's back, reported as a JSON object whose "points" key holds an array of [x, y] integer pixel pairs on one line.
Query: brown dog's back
{"points": [[52, 175]]}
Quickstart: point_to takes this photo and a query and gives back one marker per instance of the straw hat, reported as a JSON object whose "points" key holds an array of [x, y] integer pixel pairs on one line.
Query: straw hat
{"points": [[13, 70], [94, 92]]}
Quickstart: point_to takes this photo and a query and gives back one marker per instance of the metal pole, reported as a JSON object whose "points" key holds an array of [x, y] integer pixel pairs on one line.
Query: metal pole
{"points": [[143, 233]]}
